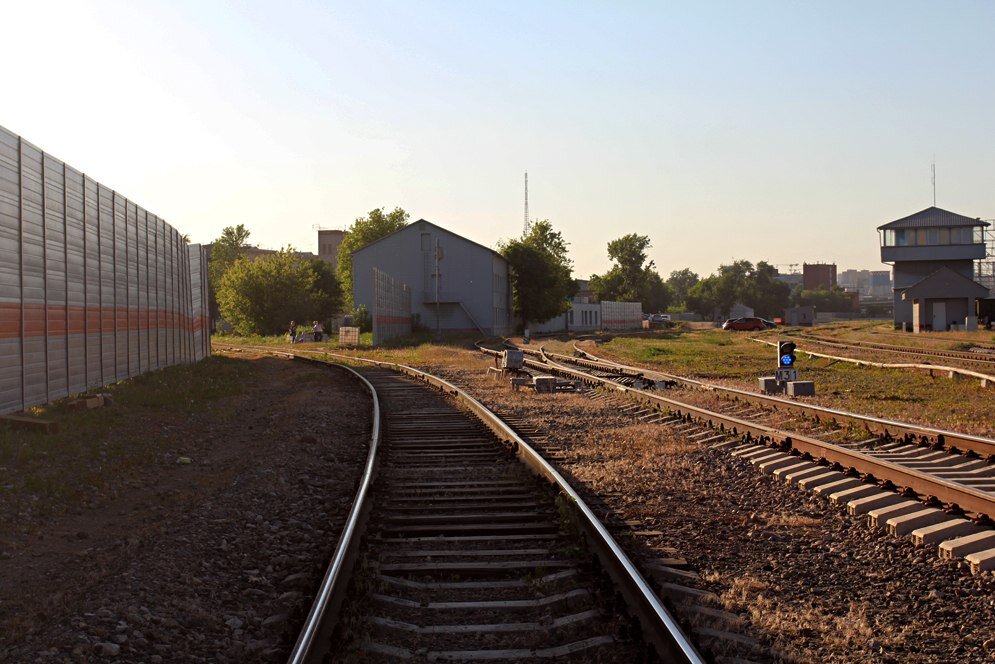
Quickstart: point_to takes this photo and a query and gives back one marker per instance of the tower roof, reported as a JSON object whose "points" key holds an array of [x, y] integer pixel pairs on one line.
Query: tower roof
{"points": [[944, 283], [933, 217]]}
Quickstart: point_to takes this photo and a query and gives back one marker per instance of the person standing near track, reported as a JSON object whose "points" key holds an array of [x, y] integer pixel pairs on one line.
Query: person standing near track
{"points": [[292, 331], [319, 330]]}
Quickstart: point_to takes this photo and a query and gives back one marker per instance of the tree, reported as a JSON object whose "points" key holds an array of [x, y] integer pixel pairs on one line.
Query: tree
{"points": [[765, 293], [364, 230], [657, 295], [681, 282], [262, 296], [631, 278], [836, 299], [740, 281], [541, 279], [224, 252]]}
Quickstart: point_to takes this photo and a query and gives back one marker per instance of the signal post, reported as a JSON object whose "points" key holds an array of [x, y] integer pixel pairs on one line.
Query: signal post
{"points": [[785, 378]]}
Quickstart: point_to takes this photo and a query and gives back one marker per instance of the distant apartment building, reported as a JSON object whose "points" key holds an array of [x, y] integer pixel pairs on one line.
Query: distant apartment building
{"points": [[818, 276], [869, 283], [791, 278]]}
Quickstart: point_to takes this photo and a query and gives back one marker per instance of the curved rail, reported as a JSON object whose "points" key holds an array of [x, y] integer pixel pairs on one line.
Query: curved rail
{"points": [[965, 497], [876, 425], [328, 600], [658, 625]]}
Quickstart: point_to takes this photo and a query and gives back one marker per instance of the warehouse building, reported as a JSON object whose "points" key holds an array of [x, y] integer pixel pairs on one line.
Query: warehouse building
{"points": [[933, 253], [456, 284]]}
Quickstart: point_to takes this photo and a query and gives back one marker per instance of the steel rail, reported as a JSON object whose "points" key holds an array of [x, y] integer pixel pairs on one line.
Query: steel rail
{"points": [[977, 358], [966, 498], [659, 627], [875, 425], [312, 643], [986, 379]]}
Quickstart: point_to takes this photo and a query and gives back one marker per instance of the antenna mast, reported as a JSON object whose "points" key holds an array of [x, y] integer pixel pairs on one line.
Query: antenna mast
{"points": [[934, 180], [527, 226]]}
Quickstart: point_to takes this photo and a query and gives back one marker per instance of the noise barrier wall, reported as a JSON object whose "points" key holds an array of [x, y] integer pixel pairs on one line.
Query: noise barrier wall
{"points": [[93, 288]]}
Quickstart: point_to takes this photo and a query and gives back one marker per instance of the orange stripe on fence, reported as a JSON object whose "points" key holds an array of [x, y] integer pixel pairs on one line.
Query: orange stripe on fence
{"points": [[10, 320], [79, 320]]}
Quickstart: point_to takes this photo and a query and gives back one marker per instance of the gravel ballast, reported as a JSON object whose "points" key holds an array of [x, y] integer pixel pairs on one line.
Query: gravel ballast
{"points": [[813, 583], [209, 554]]}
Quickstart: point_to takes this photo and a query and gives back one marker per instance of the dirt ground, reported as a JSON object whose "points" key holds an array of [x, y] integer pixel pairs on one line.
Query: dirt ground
{"points": [[204, 547]]}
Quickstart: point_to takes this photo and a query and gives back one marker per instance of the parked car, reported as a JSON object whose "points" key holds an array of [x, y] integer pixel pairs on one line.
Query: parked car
{"points": [[748, 324], [660, 318]]}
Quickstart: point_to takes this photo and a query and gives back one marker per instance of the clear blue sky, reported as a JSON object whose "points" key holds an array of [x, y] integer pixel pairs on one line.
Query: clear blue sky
{"points": [[778, 131]]}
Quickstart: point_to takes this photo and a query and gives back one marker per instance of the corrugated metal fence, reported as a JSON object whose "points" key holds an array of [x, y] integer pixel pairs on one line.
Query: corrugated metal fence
{"points": [[93, 288], [391, 308], [621, 315]]}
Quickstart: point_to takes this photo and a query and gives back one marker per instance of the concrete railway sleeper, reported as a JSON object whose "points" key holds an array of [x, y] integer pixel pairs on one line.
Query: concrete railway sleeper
{"points": [[886, 491], [456, 551], [965, 467]]}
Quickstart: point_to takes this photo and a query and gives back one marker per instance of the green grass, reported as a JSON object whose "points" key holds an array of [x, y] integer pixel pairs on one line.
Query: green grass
{"points": [[365, 340], [45, 473], [730, 358]]}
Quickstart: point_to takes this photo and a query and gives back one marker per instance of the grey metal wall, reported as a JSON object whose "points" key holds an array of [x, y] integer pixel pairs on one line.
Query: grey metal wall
{"points": [[473, 280], [391, 310], [93, 288]]}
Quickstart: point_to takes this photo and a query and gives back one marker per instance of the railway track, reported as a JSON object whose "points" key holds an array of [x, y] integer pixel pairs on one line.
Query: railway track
{"points": [[468, 545], [876, 428], [985, 359], [943, 497]]}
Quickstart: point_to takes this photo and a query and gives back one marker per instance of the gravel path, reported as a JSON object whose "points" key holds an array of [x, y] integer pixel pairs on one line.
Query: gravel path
{"points": [[812, 582], [211, 561]]}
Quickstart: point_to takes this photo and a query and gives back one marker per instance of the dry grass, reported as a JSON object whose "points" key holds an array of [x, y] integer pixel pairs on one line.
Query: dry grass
{"points": [[792, 521], [794, 623]]}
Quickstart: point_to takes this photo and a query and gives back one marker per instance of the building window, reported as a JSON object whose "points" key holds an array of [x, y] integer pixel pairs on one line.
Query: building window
{"points": [[944, 236], [595, 317], [933, 236]]}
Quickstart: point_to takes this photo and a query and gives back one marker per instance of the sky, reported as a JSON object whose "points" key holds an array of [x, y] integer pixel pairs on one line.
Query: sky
{"points": [[777, 131]]}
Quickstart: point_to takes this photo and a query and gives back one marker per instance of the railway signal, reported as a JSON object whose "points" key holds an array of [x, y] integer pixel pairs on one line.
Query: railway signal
{"points": [[786, 354]]}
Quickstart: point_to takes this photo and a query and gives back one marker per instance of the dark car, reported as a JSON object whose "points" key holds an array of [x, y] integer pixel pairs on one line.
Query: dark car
{"points": [[748, 324]]}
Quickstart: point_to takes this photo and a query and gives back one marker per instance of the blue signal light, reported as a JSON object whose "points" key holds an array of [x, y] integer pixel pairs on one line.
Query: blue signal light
{"points": [[786, 353]]}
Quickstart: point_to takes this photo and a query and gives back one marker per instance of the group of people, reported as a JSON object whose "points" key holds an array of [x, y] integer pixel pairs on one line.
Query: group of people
{"points": [[298, 333]]}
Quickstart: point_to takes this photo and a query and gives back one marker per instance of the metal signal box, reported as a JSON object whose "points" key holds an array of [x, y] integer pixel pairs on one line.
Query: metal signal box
{"points": [[512, 359], [545, 384]]}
